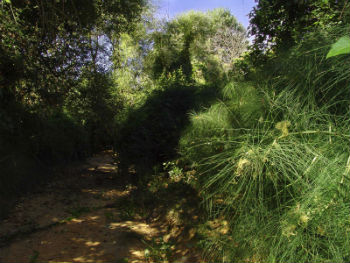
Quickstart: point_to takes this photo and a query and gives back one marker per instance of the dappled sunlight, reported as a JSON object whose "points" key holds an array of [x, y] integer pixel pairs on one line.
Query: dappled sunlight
{"points": [[138, 227], [92, 244], [111, 194], [224, 142], [107, 168], [76, 227], [76, 220], [83, 259], [139, 254], [89, 238], [94, 217], [80, 221], [90, 191]]}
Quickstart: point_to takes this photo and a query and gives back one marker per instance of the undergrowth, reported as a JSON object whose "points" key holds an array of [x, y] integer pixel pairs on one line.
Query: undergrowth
{"points": [[272, 158]]}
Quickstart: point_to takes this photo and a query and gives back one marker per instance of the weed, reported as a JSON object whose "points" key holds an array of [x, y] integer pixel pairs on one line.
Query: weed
{"points": [[109, 216], [33, 258], [78, 211], [122, 260], [127, 209], [158, 250], [272, 158]]}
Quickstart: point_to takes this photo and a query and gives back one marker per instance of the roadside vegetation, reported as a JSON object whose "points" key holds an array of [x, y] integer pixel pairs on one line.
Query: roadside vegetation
{"points": [[244, 144]]}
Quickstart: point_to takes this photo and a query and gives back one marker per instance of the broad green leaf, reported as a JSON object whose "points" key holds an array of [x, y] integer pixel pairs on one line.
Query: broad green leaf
{"points": [[342, 46], [7, 1]]}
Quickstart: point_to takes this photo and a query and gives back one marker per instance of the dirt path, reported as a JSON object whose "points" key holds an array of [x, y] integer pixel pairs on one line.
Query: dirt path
{"points": [[77, 218]]}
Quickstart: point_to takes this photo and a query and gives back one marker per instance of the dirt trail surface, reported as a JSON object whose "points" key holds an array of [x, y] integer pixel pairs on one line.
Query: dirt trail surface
{"points": [[75, 219]]}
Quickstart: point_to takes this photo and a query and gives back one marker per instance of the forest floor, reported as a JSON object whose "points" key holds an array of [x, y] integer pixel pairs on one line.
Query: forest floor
{"points": [[85, 215]]}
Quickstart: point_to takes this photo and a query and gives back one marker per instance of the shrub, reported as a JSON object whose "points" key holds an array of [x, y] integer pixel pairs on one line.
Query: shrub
{"points": [[273, 159]]}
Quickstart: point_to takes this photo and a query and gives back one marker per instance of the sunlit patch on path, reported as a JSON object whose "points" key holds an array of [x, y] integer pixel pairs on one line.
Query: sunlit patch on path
{"points": [[74, 220]]}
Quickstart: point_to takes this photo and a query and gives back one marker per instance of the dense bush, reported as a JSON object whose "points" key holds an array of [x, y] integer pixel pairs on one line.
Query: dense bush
{"points": [[31, 144], [264, 139], [273, 159], [56, 101], [150, 133]]}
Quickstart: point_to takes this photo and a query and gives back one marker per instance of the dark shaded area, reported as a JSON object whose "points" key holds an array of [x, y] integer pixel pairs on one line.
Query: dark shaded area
{"points": [[151, 133], [280, 24], [31, 145], [53, 93], [90, 216], [181, 62]]}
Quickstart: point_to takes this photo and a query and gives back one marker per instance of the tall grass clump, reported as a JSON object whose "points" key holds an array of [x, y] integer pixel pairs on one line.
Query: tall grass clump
{"points": [[273, 159]]}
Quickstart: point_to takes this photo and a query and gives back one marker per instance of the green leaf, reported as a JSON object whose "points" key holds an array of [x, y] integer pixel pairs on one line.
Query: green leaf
{"points": [[147, 252], [342, 46], [7, 1]]}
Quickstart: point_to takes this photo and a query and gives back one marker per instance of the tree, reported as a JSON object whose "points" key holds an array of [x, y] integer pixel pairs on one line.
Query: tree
{"points": [[228, 43], [50, 52], [196, 39], [279, 24], [45, 44]]}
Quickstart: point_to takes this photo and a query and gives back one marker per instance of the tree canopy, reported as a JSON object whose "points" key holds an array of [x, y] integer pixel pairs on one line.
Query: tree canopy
{"points": [[194, 38], [45, 44], [281, 24]]}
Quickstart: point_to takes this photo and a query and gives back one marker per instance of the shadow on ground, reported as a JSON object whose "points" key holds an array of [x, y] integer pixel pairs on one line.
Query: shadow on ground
{"points": [[77, 218]]}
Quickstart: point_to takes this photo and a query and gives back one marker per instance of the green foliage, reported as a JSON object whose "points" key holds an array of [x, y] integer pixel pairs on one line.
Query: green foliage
{"points": [[267, 150], [342, 46], [95, 103], [31, 145], [201, 44], [122, 260], [158, 250], [34, 258], [281, 24], [45, 43], [272, 159], [150, 133], [239, 107], [56, 99], [322, 81], [78, 211]]}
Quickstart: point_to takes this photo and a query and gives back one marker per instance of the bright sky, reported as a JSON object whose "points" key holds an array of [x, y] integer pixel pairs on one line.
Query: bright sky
{"points": [[239, 8]]}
